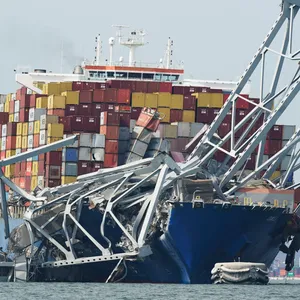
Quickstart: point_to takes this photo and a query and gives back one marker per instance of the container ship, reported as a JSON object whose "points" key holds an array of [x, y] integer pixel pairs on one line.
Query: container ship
{"points": [[124, 172]]}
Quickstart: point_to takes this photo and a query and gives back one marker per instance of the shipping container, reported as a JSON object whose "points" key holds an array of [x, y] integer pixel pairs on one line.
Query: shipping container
{"points": [[110, 160], [111, 146], [71, 110], [85, 109], [71, 97], [188, 116], [98, 141], [109, 118], [70, 155], [98, 154], [138, 100], [110, 132], [85, 96], [91, 124], [123, 96], [84, 167], [54, 158], [164, 114], [164, 100], [151, 100]]}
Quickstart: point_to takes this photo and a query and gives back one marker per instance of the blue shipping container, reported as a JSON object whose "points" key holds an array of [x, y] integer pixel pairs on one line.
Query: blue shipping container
{"points": [[70, 155]]}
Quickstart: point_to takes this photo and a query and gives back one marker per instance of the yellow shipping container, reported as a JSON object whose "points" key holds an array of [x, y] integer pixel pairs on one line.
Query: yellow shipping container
{"points": [[164, 100], [6, 106], [72, 97], [8, 97], [151, 100], [164, 114], [36, 129], [177, 102], [34, 182], [65, 86], [39, 85], [55, 130], [11, 118], [19, 128], [25, 129], [35, 168], [24, 142], [9, 170], [203, 99], [188, 116], [56, 102], [19, 141], [68, 179], [275, 175], [216, 100], [42, 102], [51, 88], [138, 100], [10, 153]]}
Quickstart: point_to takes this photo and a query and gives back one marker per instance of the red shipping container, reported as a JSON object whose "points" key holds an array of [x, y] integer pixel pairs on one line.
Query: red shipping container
{"points": [[11, 107], [21, 91], [77, 123], [27, 183], [176, 115], [71, 110], [255, 100], [125, 109], [110, 132], [24, 101], [147, 119], [3, 118], [2, 155], [42, 156], [52, 183], [109, 118], [28, 171], [91, 85], [56, 112], [17, 169], [240, 103], [189, 103], [224, 128], [41, 167], [91, 124], [110, 95], [85, 110], [54, 158], [125, 119], [111, 146], [36, 140], [85, 96], [23, 115], [17, 181], [135, 113], [84, 167], [228, 117], [96, 166], [220, 156], [115, 84], [202, 115], [11, 142], [67, 121], [53, 172], [272, 147], [22, 182], [212, 113], [77, 86], [240, 114], [98, 96], [141, 87], [275, 133], [11, 128], [165, 87], [123, 96], [250, 165], [109, 107], [153, 87], [96, 109], [110, 160], [23, 168]]}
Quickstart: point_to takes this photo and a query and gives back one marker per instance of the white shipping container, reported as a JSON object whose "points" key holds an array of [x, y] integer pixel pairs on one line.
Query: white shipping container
{"points": [[98, 140], [85, 140], [1, 107], [75, 144], [131, 157], [18, 151], [30, 141], [124, 134], [41, 182], [288, 131], [184, 129], [158, 144], [132, 125], [84, 154], [195, 128], [138, 147], [36, 113], [14, 96], [98, 154], [3, 144], [4, 130], [2, 98], [16, 117], [170, 131], [285, 163], [43, 137], [45, 120], [30, 128], [17, 106], [141, 134], [290, 151], [159, 133]]}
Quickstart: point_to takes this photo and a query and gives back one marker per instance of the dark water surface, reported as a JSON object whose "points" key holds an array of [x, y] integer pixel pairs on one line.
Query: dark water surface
{"points": [[99, 291]]}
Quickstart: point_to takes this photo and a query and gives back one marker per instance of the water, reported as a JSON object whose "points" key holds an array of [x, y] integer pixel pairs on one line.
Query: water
{"points": [[43, 291]]}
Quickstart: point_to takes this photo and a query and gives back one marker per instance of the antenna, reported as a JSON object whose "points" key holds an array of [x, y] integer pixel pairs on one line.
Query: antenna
{"points": [[169, 53], [119, 31], [111, 42], [98, 50]]}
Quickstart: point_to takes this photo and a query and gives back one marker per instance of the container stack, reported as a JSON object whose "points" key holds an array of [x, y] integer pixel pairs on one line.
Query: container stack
{"points": [[110, 119]]}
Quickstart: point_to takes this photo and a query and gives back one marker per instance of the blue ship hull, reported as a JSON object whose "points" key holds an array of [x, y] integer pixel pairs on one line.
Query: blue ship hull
{"points": [[196, 239]]}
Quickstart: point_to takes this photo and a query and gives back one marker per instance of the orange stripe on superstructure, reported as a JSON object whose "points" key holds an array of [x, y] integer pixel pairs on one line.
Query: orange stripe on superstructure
{"points": [[138, 69]]}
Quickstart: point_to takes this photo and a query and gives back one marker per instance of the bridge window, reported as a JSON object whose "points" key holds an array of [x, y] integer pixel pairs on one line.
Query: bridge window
{"points": [[148, 76], [135, 75], [157, 77], [110, 74], [93, 74], [121, 75]]}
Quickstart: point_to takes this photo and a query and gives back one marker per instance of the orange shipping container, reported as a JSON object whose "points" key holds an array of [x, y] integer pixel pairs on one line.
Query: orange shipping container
{"points": [[11, 142], [56, 112], [36, 140]]}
